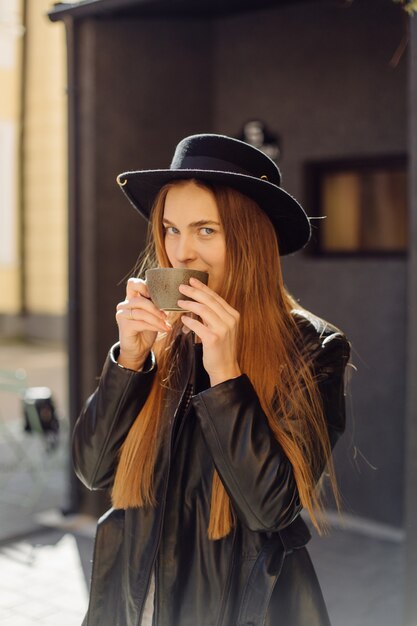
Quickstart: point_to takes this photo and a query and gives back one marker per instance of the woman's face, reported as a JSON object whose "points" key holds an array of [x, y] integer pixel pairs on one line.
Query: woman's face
{"points": [[194, 237]]}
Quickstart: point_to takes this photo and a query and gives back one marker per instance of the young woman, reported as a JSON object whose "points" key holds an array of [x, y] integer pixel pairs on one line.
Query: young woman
{"points": [[212, 428]]}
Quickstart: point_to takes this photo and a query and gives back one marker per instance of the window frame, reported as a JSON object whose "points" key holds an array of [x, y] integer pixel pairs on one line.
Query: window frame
{"points": [[314, 172]]}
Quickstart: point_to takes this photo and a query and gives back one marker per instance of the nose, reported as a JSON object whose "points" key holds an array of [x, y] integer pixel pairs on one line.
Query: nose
{"points": [[184, 250]]}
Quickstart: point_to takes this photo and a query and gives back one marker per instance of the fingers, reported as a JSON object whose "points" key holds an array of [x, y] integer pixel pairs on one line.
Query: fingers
{"points": [[197, 327], [218, 320], [137, 287], [141, 319], [142, 303], [138, 297], [207, 303], [138, 311], [209, 316], [200, 292]]}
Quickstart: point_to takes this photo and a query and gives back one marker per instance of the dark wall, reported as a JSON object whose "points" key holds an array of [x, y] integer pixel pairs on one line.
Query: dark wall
{"points": [[320, 76], [140, 87], [140, 90]]}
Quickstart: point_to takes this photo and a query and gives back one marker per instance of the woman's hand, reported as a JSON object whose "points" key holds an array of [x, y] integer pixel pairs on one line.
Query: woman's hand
{"points": [[139, 322], [217, 331]]}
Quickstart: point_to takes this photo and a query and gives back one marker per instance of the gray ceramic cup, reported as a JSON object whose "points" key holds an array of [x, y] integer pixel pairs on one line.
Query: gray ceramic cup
{"points": [[163, 283]]}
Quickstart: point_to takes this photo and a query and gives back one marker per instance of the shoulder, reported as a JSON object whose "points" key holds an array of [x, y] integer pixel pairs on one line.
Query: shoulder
{"points": [[319, 339]]}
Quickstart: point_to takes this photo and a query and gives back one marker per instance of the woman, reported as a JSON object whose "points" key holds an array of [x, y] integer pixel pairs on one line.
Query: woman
{"points": [[213, 427]]}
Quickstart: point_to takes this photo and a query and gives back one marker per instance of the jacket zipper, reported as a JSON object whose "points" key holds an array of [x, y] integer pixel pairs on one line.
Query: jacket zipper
{"points": [[158, 541], [192, 377], [185, 413]]}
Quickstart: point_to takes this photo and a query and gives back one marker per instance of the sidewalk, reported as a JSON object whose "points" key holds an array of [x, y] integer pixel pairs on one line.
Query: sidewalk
{"points": [[44, 579], [45, 558], [361, 575]]}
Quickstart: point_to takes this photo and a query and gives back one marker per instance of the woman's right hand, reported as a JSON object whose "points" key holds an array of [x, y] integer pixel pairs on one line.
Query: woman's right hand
{"points": [[139, 322]]}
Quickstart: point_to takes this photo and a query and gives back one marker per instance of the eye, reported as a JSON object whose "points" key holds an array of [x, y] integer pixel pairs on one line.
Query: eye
{"points": [[206, 230], [171, 230]]}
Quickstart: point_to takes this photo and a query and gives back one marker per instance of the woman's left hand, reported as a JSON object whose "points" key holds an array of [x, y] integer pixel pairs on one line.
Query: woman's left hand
{"points": [[217, 330]]}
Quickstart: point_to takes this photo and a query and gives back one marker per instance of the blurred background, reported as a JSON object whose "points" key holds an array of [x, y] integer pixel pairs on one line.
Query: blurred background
{"points": [[328, 89]]}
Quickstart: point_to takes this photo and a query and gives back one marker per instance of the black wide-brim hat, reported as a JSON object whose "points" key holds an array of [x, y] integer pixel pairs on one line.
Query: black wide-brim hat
{"points": [[233, 163]]}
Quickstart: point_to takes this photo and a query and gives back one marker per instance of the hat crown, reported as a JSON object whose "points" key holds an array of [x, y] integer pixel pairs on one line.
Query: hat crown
{"points": [[217, 159], [220, 153]]}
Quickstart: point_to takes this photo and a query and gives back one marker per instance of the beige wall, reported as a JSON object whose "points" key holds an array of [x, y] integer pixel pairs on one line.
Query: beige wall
{"points": [[10, 64], [43, 169], [45, 193]]}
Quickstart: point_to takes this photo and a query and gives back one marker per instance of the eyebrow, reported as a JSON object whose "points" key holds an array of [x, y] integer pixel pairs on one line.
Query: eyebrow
{"points": [[193, 224]]}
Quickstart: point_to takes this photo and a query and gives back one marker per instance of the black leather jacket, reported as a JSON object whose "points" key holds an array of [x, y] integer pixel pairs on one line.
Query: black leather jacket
{"points": [[260, 573]]}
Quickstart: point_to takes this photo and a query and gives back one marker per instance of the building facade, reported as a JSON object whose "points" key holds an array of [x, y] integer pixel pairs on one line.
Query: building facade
{"points": [[33, 186], [337, 83]]}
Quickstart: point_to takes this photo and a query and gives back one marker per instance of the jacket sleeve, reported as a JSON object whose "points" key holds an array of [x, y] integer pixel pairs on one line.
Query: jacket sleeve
{"points": [[106, 419], [251, 463]]}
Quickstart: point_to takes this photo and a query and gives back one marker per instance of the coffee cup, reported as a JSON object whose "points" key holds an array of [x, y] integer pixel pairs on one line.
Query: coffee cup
{"points": [[163, 284]]}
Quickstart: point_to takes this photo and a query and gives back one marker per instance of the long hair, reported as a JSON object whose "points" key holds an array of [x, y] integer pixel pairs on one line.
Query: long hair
{"points": [[253, 285]]}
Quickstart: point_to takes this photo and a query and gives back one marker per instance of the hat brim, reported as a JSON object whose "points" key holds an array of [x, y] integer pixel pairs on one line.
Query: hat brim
{"points": [[286, 214]]}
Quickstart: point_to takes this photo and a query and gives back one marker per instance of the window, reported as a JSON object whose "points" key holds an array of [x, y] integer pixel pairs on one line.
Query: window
{"points": [[364, 203]]}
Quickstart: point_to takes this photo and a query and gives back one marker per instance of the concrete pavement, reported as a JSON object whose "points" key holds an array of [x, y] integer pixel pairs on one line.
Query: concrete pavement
{"points": [[44, 579], [45, 557]]}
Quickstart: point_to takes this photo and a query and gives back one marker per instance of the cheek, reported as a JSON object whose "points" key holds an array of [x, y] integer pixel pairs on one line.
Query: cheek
{"points": [[169, 249], [219, 260], [221, 255]]}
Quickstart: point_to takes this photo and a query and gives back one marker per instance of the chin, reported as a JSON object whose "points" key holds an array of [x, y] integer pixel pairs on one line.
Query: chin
{"points": [[213, 284]]}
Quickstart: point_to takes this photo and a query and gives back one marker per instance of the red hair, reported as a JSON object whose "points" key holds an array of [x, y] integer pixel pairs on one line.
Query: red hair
{"points": [[252, 250]]}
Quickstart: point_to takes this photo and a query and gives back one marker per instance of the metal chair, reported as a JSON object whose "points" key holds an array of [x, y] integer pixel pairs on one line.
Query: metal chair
{"points": [[30, 445]]}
